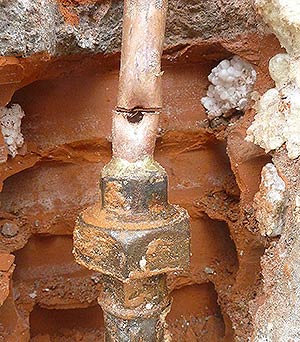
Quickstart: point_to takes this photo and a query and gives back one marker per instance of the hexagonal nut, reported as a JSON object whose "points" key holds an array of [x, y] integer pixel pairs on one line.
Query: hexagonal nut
{"points": [[132, 249]]}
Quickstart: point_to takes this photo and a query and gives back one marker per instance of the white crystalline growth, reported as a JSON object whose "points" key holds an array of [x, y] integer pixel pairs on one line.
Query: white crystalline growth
{"points": [[283, 17], [278, 111], [232, 84], [270, 202], [10, 121]]}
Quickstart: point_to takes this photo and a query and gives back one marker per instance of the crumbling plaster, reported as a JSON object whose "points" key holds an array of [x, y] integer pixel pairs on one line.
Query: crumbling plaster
{"points": [[10, 124], [21, 32]]}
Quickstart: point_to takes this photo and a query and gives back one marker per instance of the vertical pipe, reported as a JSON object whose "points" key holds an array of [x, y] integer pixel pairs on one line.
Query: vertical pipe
{"points": [[136, 236], [139, 309], [142, 44], [134, 141]]}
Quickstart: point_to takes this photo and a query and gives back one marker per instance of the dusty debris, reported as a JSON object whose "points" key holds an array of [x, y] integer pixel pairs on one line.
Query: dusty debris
{"points": [[9, 229], [10, 122], [6, 269], [209, 270]]}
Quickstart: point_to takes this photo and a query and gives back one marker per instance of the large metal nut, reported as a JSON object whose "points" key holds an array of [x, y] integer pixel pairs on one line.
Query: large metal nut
{"points": [[132, 249]]}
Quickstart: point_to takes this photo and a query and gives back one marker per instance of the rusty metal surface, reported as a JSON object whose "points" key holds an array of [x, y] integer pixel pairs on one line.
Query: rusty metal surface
{"points": [[133, 254], [142, 43], [152, 329], [134, 298], [134, 236], [141, 187], [135, 233], [135, 310]]}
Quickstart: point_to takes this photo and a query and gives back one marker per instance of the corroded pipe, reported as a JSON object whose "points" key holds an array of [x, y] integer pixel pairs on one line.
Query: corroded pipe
{"points": [[134, 141], [142, 44], [135, 236], [140, 91]]}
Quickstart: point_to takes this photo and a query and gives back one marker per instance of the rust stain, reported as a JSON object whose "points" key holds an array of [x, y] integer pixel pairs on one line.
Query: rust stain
{"points": [[113, 196]]}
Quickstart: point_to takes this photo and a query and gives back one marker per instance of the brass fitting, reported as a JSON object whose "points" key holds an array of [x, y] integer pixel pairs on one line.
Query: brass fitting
{"points": [[134, 237]]}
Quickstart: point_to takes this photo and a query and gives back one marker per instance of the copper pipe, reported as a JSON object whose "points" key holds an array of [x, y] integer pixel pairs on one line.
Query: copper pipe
{"points": [[142, 43], [134, 141], [135, 236]]}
